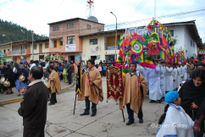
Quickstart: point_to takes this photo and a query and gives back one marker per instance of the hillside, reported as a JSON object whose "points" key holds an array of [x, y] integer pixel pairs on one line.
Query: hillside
{"points": [[13, 32]]}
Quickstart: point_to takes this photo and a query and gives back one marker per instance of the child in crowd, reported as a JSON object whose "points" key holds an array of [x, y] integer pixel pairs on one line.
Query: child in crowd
{"points": [[174, 122]]}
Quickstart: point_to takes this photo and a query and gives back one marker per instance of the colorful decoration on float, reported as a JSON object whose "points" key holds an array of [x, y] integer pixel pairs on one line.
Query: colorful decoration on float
{"points": [[144, 49]]}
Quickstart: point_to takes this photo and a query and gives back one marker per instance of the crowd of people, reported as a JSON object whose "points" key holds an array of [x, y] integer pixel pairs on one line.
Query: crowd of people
{"points": [[16, 74], [181, 86]]}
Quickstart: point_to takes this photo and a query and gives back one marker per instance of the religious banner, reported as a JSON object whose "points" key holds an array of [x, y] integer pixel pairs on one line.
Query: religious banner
{"points": [[114, 79]]}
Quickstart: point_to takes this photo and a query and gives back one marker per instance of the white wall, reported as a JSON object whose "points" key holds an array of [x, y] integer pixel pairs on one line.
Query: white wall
{"points": [[191, 47], [184, 41]]}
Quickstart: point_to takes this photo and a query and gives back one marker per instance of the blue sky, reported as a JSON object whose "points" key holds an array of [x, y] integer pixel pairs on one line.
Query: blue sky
{"points": [[36, 14]]}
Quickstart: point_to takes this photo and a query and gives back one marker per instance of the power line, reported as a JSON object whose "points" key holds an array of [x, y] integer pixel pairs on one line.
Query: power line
{"points": [[160, 17]]}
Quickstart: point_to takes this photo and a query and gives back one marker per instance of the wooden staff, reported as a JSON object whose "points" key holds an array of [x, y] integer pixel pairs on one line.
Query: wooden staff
{"points": [[78, 89]]}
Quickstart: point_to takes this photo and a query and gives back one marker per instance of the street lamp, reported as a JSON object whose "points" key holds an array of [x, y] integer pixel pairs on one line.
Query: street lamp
{"points": [[115, 34]]}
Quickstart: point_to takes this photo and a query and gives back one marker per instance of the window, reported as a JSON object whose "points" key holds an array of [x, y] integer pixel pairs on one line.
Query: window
{"points": [[55, 43], [172, 32], [61, 41], [35, 46], [88, 27], [46, 45], [71, 25], [93, 41], [70, 40], [55, 28]]}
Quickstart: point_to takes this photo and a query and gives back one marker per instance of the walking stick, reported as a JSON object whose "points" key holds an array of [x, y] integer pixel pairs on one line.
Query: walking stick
{"points": [[74, 104], [78, 88], [123, 116]]}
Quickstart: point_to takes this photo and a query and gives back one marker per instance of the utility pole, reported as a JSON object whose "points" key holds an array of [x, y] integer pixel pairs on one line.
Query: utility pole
{"points": [[115, 35], [32, 47]]}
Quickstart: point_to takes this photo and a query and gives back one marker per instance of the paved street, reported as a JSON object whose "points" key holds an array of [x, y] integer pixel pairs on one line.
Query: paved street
{"points": [[62, 123]]}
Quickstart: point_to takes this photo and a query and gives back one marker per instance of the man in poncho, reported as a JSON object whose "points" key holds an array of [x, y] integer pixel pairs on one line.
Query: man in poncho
{"points": [[91, 90], [135, 89]]}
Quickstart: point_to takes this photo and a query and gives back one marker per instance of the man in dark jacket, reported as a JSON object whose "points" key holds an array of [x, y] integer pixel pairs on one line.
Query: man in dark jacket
{"points": [[33, 108]]}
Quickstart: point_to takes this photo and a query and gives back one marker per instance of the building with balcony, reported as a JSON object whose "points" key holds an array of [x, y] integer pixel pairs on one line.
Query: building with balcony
{"points": [[64, 36], [40, 49], [100, 46], [4, 51]]}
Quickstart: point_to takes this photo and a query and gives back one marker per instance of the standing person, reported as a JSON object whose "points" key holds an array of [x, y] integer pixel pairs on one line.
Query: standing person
{"points": [[91, 88], [162, 78], [9, 75], [179, 74], [174, 122], [174, 76], [54, 85], [100, 69], [192, 94], [184, 71], [169, 78], [69, 71], [104, 69], [135, 90], [33, 108], [2, 73], [155, 94], [60, 71], [22, 79], [190, 68]]}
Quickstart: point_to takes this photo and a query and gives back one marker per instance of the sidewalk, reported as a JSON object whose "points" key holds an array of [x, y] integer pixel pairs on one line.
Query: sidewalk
{"points": [[12, 98]]}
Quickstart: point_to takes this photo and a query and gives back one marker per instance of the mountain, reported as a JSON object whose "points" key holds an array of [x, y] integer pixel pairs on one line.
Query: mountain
{"points": [[13, 32]]}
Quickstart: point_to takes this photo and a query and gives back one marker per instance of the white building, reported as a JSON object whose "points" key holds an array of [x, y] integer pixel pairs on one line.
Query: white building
{"points": [[187, 36]]}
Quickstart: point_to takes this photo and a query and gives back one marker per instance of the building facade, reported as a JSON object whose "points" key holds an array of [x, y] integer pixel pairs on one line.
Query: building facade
{"points": [[64, 36], [101, 46], [187, 37]]}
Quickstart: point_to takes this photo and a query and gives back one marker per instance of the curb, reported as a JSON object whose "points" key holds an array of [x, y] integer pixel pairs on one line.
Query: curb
{"points": [[21, 99]]}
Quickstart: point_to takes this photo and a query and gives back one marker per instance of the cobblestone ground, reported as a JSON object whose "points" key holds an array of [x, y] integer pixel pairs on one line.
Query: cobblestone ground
{"points": [[62, 123]]}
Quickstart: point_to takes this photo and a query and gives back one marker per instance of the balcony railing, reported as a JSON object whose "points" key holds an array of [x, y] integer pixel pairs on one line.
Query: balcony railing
{"points": [[110, 46], [18, 52]]}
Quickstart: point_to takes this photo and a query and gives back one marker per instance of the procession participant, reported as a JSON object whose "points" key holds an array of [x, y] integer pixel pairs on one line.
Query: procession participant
{"points": [[33, 108], [2, 77], [162, 78], [54, 85], [9, 76], [169, 78], [174, 122], [174, 76], [190, 68], [45, 77], [135, 89], [179, 74], [69, 72], [21, 82], [155, 94], [184, 71], [91, 88], [192, 92]]}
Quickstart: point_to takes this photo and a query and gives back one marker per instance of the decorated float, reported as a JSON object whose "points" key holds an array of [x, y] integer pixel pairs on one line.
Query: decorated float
{"points": [[155, 44]]}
